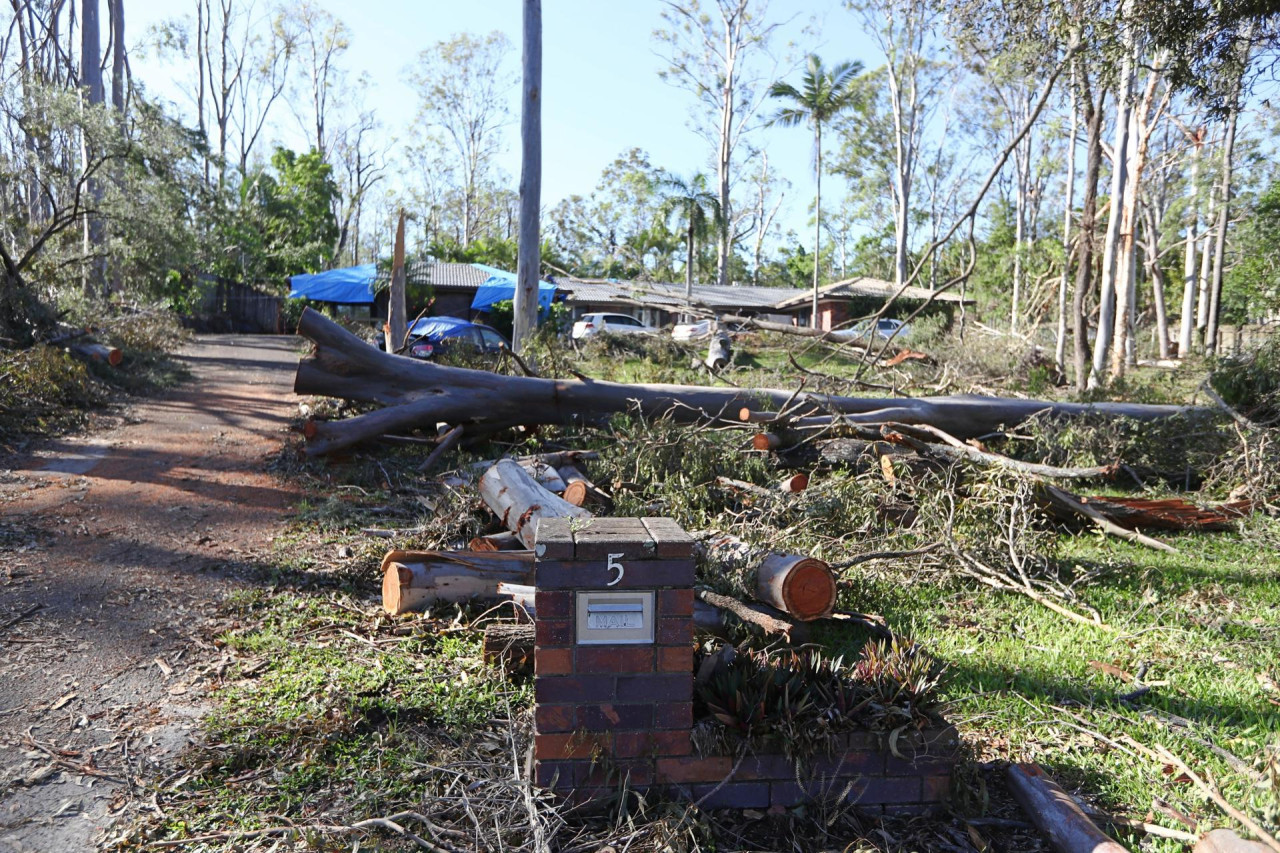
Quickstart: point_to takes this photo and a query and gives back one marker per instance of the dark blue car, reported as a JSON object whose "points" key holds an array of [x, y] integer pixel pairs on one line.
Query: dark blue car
{"points": [[432, 335]]}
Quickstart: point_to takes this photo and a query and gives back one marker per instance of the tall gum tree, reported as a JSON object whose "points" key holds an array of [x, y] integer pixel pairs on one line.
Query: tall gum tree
{"points": [[464, 85], [720, 54]]}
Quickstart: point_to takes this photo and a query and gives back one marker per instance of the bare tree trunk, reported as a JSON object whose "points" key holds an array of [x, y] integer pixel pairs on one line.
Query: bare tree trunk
{"points": [[817, 218], [1125, 249], [1060, 342], [1107, 291], [527, 264], [94, 276], [118, 88], [1187, 321], [397, 315], [1206, 266], [1224, 217], [1085, 243]]}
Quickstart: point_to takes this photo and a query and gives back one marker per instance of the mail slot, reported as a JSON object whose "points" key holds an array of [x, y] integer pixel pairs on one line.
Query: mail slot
{"points": [[615, 617]]}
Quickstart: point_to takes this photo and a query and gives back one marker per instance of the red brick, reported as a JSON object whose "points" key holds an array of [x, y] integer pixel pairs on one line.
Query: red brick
{"points": [[558, 774], [671, 742], [634, 773], [673, 715], [879, 790], [615, 659], [674, 632], [633, 744], [936, 789], [655, 688], [683, 771], [862, 762], [550, 719], [570, 688], [577, 745], [771, 766], [672, 539], [734, 795], [673, 602], [610, 717], [553, 632], [553, 604], [675, 659], [553, 661]]}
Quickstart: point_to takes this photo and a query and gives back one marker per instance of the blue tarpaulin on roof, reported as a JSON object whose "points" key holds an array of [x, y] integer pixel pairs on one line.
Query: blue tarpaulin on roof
{"points": [[500, 288], [349, 286]]}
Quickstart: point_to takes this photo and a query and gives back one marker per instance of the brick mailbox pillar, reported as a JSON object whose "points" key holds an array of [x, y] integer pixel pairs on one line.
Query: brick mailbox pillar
{"points": [[613, 651]]}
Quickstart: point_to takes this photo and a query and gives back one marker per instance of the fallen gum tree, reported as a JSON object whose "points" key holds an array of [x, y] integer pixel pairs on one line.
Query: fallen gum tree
{"points": [[417, 393]]}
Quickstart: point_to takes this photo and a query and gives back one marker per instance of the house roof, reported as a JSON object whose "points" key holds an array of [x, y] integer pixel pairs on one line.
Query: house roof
{"points": [[873, 287], [442, 275], [662, 294]]}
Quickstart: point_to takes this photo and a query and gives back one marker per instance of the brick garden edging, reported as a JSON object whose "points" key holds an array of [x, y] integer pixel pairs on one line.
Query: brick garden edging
{"points": [[606, 713]]}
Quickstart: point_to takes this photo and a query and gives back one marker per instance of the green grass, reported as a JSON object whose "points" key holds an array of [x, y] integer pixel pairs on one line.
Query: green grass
{"points": [[1206, 625]]}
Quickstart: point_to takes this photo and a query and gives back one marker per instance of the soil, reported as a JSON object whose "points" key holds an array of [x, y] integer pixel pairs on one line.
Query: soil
{"points": [[115, 551]]}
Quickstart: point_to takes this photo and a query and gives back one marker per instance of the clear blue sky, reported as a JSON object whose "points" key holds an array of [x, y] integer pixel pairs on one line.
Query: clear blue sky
{"points": [[602, 94]]}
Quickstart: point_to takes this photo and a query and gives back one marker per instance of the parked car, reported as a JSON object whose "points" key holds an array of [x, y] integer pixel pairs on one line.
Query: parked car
{"points": [[591, 324], [884, 327], [430, 336], [691, 331]]}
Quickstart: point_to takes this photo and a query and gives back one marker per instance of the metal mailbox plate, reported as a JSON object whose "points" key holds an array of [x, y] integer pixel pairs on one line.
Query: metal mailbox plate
{"points": [[615, 618]]}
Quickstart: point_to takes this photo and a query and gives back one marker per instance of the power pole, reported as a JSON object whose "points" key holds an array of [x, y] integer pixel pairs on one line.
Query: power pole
{"points": [[526, 302]]}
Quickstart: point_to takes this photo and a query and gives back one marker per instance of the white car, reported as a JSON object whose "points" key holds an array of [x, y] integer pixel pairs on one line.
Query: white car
{"points": [[692, 331], [590, 324], [885, 328]]}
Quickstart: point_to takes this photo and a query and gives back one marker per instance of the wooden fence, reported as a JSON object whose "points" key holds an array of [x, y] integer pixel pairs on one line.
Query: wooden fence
{"points": [[228, 306]]}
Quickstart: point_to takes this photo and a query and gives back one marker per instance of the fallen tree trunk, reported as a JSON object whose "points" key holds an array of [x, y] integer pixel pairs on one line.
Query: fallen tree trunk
{"points": [[416, 392], [1055, 814], [97, 352], [520, 503], [505, 541], [412, 580], [509, 646]]}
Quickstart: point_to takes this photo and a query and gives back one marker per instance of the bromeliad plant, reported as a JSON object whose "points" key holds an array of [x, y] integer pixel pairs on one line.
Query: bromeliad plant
{"points": [[800, 701]]}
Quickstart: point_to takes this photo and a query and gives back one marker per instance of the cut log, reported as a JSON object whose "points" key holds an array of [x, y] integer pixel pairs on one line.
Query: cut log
{"points": [[544, 475], [719, 352], [751, 614], [509, 646], [747, 416], [794, 483], [413, 580], [579, 490], [1055, 814], [555, 459], [766, 441], [520, 503], [418, 392], [521, 593], [1226, 841], [97, 352], [505, 541], [803, 587]]}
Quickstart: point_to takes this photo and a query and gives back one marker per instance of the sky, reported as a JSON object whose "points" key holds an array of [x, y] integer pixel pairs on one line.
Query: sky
{"points": [[601, 92]]}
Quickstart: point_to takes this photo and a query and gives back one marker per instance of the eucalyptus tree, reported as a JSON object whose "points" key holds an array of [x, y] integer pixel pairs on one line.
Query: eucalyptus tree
{"points": [[464, 86], [916, 73], [691, 200], [721, 55], [823, 94]]}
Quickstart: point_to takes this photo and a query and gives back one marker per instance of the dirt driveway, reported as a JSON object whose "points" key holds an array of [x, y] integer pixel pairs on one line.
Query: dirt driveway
{"points": [[114, 551]]}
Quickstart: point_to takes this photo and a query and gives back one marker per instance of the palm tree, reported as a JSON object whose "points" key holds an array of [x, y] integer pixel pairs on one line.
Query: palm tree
{"points": [[821, 97], [698, 206]]}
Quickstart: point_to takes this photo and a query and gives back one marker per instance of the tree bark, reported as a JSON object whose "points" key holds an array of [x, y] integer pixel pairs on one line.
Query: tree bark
{"points": [[801, 586], [528, 260], [1107, 293], [118, 88], [520, 503], [1060, 342], [1053, 811], [1088, 214], [397, 315], [1224, 218], [412, 580], [421, 392], [97, 352], [1187, 323]]}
